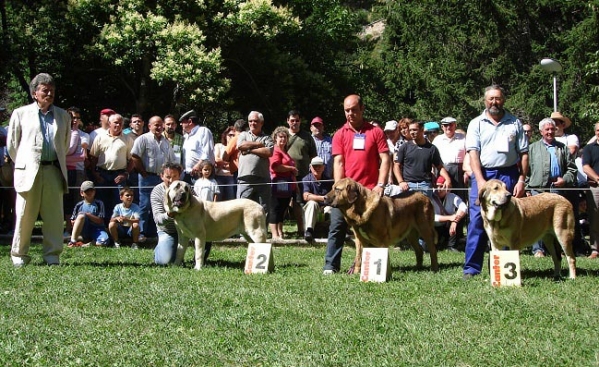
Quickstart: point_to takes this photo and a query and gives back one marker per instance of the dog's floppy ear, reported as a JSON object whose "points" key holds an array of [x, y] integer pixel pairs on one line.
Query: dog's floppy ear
{"points": [[482, 196], [352, 192], [167, 200]]}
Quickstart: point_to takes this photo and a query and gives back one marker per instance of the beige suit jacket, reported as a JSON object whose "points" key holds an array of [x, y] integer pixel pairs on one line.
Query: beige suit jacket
{"points": [[24, 144]]}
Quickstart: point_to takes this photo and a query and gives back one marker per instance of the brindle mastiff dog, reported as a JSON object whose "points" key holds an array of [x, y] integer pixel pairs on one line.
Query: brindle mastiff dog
{"points": [[211, 221], [382, 222], [518, 223]]}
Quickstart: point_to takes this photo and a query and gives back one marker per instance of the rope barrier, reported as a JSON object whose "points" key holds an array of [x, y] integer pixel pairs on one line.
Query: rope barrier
{"points": [[453, 189]]}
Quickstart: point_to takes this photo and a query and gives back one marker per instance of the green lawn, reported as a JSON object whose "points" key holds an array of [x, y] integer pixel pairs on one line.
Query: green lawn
{"points": [[105, 306]]}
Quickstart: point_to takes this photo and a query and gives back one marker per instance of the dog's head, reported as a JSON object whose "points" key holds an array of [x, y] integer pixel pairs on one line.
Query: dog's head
{"points": [[345, 192], [178, 197], [494, 197]]}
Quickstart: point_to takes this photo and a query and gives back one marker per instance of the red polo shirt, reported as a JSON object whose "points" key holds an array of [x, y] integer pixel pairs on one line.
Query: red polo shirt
{"points": [[361, 165]]}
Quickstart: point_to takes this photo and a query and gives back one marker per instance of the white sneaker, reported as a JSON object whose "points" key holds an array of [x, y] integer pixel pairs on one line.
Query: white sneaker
{"points": [[141, 238], [134, 246], [117, 245], [328, 272], [19, 262]]}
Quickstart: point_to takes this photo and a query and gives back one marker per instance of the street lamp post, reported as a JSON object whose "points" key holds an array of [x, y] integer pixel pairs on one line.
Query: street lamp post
{"points": [[552, 66]]}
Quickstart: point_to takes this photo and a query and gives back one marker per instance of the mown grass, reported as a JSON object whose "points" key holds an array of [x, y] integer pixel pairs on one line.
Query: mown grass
{"points": [[104, 306]]}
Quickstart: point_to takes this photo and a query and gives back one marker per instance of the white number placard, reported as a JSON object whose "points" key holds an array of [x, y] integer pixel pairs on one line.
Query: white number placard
{"points": [[375, 265], [259, 259], [505, 268]]}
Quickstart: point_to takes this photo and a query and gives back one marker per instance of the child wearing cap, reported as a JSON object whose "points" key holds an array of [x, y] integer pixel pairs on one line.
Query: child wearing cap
{"points": [[125, 219], [88, 219]]}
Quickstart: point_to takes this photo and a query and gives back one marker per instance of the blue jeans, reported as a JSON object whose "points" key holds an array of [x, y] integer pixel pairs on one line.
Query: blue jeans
{"points": [[477, 239], [133, 182], [227, 186], [336, 240], [166, 248], [108, 192], [165, 251], [422, 186], [93, 232], [147, 227]]}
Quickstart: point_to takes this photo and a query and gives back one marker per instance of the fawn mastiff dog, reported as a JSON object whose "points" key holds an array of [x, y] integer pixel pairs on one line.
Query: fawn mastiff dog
{"points": [[211, 221], [381, 221], [517, 223]]}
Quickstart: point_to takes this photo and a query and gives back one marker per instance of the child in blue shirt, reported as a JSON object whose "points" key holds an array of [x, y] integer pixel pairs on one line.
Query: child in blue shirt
{"points": [[88, 219], [125, 219]]}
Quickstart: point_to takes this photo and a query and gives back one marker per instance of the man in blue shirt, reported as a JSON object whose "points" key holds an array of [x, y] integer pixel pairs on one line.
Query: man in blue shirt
{"points": [[498, 149]]}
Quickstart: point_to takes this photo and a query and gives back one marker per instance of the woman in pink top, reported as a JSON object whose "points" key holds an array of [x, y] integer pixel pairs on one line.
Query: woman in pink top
{"points": [[282, 174]]}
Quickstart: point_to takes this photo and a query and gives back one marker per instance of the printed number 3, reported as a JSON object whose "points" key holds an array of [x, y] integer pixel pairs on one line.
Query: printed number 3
{"points": [[511, 273]]}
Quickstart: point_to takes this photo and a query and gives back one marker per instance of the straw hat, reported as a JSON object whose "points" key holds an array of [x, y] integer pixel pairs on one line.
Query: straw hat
{"points": [[559, 116]]}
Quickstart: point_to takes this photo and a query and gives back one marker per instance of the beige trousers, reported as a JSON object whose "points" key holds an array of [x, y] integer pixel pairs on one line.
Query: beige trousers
{"points": [[311, 213], [45, 199]]}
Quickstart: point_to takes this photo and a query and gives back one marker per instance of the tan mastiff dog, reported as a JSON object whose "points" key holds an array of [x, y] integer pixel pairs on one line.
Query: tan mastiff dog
{"points": [[518, 223], [211, 221], [382, 222]]}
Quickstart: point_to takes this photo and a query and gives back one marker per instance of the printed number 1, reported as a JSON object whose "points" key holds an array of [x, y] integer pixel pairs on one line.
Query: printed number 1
{"points": [[511, 274], [261, 261], [378, 266]]}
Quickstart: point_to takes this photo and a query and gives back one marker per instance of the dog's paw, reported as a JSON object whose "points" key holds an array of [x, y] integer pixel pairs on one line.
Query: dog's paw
{"points": [[352, 270]]}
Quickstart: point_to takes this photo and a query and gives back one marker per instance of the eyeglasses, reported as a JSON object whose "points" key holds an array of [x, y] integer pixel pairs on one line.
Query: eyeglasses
{"points": [[559, 122]]}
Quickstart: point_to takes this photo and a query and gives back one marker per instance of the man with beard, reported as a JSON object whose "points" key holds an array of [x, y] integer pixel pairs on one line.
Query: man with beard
{"points": [[498, 148], [174, 138], [302, 148]]}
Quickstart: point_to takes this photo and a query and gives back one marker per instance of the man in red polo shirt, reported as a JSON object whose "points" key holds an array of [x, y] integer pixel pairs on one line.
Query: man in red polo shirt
{"points": [[360, 152]]}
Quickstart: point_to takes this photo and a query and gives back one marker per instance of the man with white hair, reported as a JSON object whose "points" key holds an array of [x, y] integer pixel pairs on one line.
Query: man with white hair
{"points": [[37, 141], [551, 167], [110, 157], [255, 148]]}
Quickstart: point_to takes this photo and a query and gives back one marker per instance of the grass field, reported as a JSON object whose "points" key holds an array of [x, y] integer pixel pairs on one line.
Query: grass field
{"points": [[107, 306]]}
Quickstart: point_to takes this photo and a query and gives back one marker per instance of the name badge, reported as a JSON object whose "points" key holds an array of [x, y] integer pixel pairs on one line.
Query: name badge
{"points": [[359, 142], [502, 143]]}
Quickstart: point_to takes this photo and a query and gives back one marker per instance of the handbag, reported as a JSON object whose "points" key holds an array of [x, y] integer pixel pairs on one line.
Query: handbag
{"points": [[282, 188]]}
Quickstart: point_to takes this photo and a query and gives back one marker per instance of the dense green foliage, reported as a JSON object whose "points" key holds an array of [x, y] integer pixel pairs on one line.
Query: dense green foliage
{"points": [[226, 58], [109, 307]]}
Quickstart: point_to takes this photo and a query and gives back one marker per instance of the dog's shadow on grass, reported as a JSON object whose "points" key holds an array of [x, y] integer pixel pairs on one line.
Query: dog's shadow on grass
{"points": [[548, 274], [414, 268]]}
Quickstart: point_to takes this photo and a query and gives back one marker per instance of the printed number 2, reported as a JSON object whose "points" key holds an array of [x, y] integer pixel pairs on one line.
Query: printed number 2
{"points": [[511, 274], [261, 261], [378, 266]]}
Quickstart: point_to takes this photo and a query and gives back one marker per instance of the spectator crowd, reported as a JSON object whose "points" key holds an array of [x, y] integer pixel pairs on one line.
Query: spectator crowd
{"points": [[111, 174]]}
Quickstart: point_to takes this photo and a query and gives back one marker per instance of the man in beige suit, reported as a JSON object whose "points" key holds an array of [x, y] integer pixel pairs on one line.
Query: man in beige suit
{"points": [[37, 141]]}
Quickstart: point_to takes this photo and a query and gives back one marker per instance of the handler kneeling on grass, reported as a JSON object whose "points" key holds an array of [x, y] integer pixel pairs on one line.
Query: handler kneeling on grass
{"points": [[166, 248]]}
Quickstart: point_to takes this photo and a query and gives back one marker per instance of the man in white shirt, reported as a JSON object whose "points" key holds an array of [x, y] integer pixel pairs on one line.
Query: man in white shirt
{"points": [[149, 153], [197, 146], [452, 147]]}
